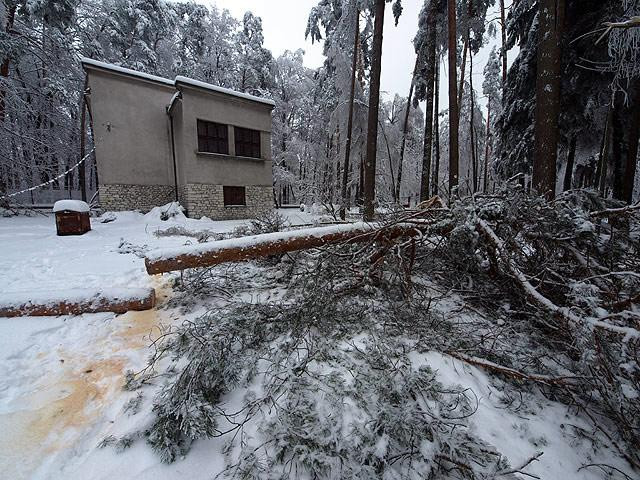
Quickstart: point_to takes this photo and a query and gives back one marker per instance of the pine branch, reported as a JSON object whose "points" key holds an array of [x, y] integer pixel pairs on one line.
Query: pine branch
{"points": [[510, 372], [522, 466], [539, 299]]}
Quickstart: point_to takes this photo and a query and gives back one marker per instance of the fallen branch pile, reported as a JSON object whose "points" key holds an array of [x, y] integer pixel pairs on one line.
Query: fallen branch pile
{"points": [[544, 296], [540, 300], [563, 278]]}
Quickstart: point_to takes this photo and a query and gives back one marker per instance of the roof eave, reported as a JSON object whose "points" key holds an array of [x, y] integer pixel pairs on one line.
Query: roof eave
{"points": [[90, 64], [212, 89]]}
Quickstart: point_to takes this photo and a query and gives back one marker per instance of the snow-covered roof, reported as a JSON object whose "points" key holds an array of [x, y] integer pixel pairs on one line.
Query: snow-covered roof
{"points": [[125, 71], [214, 88], [71, 205], [174, 83]]}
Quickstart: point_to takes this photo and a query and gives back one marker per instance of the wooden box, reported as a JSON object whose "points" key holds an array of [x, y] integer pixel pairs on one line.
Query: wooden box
{"points": [[72, 217]]}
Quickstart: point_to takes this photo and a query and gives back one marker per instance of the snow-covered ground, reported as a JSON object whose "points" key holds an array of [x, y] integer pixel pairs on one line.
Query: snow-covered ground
{"points": [[34, 258], [61, 378]]}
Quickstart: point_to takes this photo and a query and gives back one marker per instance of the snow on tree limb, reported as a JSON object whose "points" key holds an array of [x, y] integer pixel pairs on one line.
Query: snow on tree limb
{"points": [[539, 299], [630, 23], [510, 372], [616, 211]]}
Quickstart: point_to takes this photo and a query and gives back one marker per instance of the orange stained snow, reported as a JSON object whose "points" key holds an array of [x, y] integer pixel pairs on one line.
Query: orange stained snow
{"points": [[72, 396]]}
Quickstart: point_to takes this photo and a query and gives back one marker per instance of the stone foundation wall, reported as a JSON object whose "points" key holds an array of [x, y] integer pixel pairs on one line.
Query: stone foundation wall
{"points": [[135, 197], [208, 200], [198, 199]]}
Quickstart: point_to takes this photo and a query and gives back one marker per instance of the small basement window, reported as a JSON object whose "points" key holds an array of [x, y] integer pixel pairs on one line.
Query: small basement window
{"points": [[234, 196], [213, 137], [247, 142]]}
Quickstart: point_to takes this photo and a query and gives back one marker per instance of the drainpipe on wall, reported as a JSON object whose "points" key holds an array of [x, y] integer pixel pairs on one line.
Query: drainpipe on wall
{"points": [[173, 144]]}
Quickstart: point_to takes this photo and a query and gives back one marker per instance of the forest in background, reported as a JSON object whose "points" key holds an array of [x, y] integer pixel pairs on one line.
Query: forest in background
{"points": [[321, 116]]}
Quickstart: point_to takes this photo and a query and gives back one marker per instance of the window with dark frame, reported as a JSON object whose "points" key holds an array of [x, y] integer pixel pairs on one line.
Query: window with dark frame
{"points": [[247, 142], [234, 196], [213, 137]]}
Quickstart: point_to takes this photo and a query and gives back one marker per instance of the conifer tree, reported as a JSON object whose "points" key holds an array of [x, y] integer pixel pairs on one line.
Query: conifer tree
{"points": [[454, 112], [372, 122], [548, 86]]}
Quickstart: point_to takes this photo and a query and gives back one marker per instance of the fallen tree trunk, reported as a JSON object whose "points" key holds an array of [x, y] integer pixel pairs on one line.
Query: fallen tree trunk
{"points": [[258, 246], [77, 302]]}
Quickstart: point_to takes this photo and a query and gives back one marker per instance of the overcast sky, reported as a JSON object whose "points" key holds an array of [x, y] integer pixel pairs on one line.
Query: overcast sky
{"points": [[284, 23]]}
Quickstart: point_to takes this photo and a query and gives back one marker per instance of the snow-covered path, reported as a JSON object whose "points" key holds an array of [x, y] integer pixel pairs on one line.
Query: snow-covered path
{"points": [[61, 377]]}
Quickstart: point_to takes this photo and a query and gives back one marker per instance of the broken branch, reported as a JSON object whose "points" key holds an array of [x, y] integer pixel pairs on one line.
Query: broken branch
{"points": [[510, 372], [539, 299]]}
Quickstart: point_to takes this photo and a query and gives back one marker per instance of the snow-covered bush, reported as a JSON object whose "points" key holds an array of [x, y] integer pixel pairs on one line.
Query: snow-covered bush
{"points": [[268, 222], [166, 212]]}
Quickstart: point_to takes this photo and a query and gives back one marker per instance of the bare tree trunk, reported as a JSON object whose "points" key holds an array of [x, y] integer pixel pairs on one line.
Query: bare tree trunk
{"points": [[390, 157], [337, 195], [87, 100], [551, 14], [347, 148], [623, 119], [632, 157], [428, 114], [454, 113], [83, 301], [261, 246], [472, 131], [487, 147], [405, 129], [4, 66], [503, 50], [571, 157], [361, 181], [372, 121], [463, 67], [466, 48], [82, 179], [436, 128], [604, 154]]}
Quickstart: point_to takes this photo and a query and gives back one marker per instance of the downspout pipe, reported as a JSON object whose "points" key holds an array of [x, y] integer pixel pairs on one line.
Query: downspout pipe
{"points": [[177, 96]]}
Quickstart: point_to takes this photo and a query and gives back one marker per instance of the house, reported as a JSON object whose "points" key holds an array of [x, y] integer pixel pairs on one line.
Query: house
{"points": [[159, 140]]}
